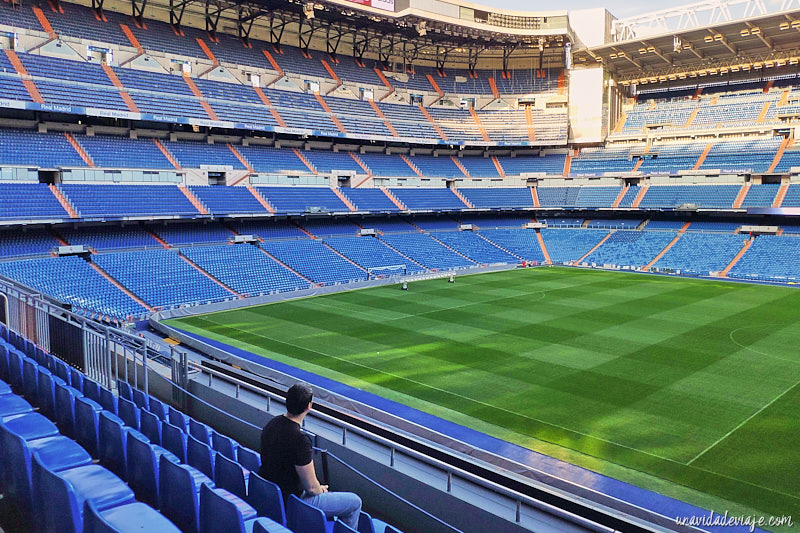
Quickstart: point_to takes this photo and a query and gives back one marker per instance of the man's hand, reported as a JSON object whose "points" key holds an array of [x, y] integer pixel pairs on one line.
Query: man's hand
{"points": [[308, 478]]}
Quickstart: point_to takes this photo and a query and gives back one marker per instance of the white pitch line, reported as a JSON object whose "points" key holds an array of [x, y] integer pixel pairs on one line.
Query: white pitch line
{"points": [[467, 398], [746, 420]]}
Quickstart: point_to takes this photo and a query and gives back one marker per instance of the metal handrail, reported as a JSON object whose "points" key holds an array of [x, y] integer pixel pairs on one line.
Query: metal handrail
{"points": [[445, 467]]}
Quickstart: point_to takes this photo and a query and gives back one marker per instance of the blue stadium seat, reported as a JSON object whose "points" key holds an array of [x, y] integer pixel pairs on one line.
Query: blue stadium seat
{"points": [[265, 496], [230, 475], [113, 445], [301, 516], [129, 413], [173, 439], [248, 458], [200, 456], [129, 518], [223, 512], [87, 423], [150, 426], [224, 445], [65, 408], [179, 486], [59, 496], [142, 468]]}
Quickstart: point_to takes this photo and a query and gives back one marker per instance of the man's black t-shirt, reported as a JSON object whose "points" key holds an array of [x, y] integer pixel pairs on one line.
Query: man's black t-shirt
{"points": [[284, 446]]}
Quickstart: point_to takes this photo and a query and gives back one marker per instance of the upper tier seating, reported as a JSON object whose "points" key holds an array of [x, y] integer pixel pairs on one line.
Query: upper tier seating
{"points": [[630, 248], [419, 199], [267, 229], [161, 278], [701, 253], [314, 261], [121, 152], [109, 238], [770, 258], [226, 200], [671, 196], [303, 199], [197, 154], [113, 201], [181, 234], [614, 223], [792, 198], [322, 228], [371, 253], [24, 201], [386, 165], [29, 241], [484, 221], [566, 245], [330, 161], [521, 243], [475, 247], [74, 281], [587, 196], [498, 197], [44, 150], [276, 160], [426, 251], [761, 195], [370, 200], [547, 164], [245, 268]]}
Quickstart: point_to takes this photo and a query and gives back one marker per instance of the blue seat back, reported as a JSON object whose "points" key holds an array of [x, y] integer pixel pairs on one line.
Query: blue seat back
{"points": [[76, 379], [180, 492], [224, 445], [129, 413], [15, 370], [46, 392], [87, 422], [113, 442], [174, 440], [65, 408], [108, 400], [128, 518], [4, 361], [54, 501], [157, 408], [91, 389], [150, 426], [125, 390], [341, 527], [301, 516], [142, 469], [61, 370], [176, 418], [265, 496], [141, 399], [222, 512], [30, 380], [200, 456], [230, 475], [200, 431], [248, 458]]}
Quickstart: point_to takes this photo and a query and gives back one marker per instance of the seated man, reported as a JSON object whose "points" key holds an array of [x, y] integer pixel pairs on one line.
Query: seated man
{"points": [[286, 460]]}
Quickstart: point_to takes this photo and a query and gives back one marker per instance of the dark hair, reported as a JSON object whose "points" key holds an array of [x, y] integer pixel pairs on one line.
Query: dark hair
{"points": [[298, 397]]}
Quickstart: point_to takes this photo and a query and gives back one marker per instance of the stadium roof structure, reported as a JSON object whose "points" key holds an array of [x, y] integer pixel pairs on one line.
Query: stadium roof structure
{"points": [[711, 38], [451, 29]]}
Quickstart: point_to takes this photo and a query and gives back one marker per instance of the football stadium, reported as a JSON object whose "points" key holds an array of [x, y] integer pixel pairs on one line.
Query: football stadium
{"points": [[540, 268]]}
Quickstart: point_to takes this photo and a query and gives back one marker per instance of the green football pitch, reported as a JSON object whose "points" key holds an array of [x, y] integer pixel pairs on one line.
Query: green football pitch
{"points": [[687, 387]]}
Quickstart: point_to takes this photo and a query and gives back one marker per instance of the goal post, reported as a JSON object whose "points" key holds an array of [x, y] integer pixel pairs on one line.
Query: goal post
{"points": [[387, 271]]}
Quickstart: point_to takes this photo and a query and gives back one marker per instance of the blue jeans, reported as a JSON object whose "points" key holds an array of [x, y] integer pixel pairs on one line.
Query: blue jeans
{"points": [[346, 506]]}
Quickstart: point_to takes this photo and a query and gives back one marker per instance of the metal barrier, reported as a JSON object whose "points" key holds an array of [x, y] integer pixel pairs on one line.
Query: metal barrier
{"points": [[103, 352]]}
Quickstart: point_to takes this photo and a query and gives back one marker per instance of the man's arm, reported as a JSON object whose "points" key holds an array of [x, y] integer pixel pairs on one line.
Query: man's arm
{"points": [[308, 478]]}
